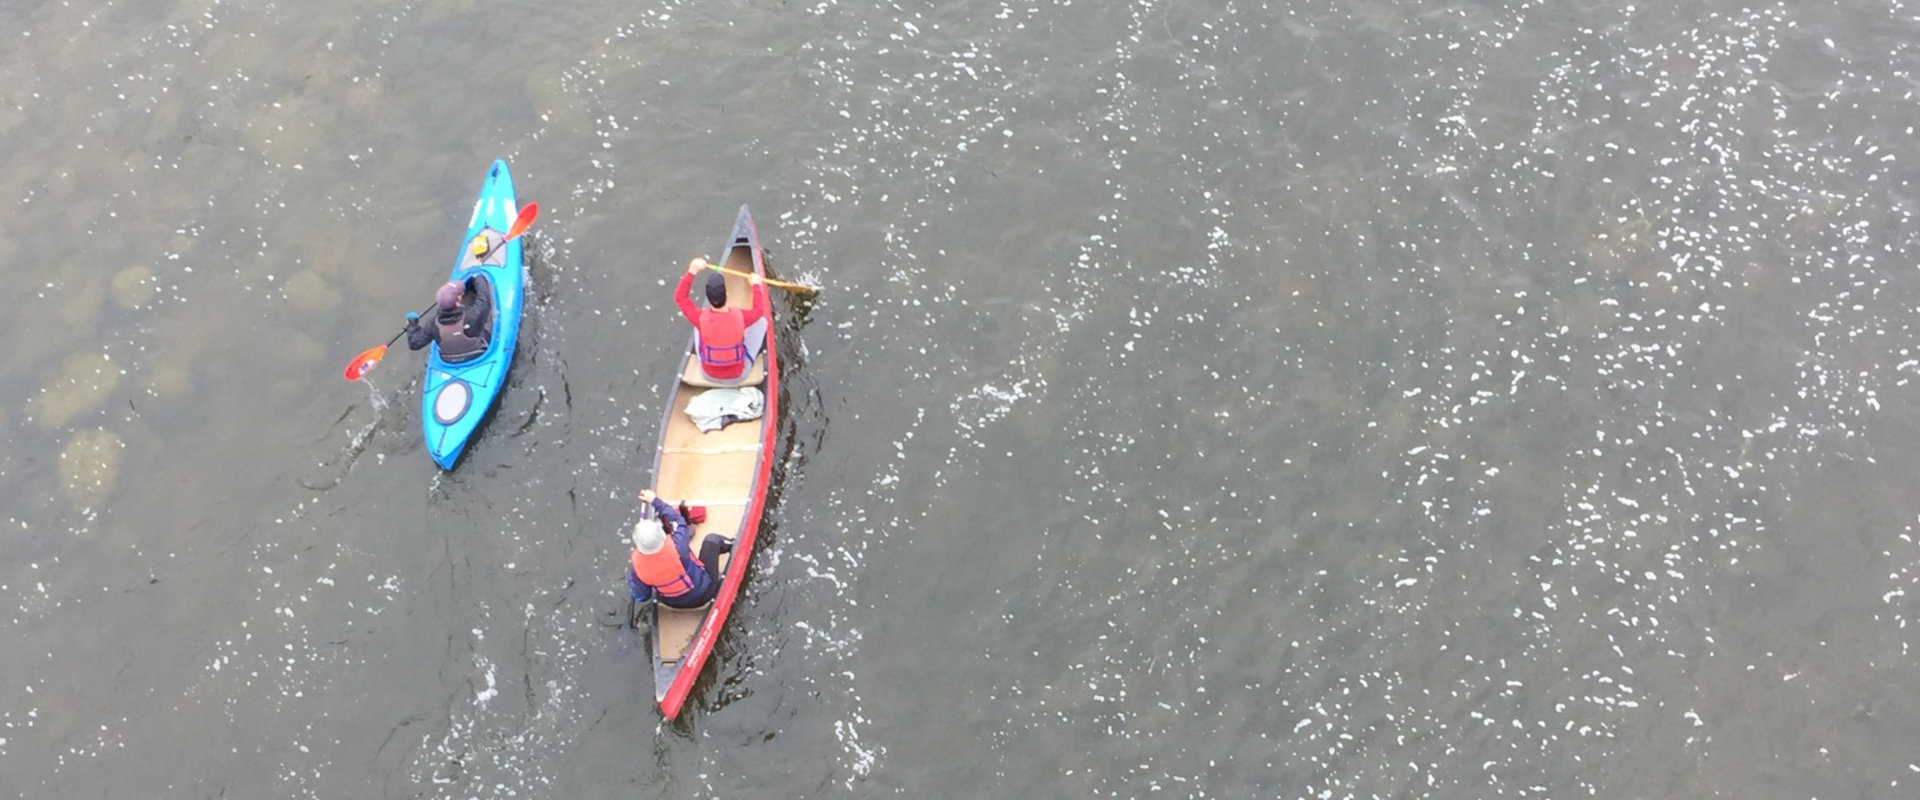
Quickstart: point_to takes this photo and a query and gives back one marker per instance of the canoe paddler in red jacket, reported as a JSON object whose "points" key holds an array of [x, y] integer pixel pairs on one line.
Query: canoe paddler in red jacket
{"points": [[727, 339], [671, 574]]}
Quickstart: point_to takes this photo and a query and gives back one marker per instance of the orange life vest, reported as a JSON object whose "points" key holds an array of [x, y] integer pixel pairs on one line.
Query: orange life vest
{"points": [[723, 346], [663, 571]]}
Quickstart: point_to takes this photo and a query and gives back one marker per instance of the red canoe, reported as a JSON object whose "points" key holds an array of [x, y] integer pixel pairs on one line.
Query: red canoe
{"points": [[726, 471]]}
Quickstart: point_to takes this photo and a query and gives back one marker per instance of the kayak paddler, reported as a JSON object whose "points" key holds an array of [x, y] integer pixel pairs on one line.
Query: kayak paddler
{"points": [[462, 321]]}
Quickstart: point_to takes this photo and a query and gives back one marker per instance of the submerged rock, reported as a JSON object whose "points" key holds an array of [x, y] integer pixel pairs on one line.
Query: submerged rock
{"points": [[308, 291], [89, 466], [170, 382], [78, 304], [134, 287], [83, 383]]}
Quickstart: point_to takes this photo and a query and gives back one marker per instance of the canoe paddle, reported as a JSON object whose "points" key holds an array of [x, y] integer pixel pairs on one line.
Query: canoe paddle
{"points": [[365, 362], [796, 287]]}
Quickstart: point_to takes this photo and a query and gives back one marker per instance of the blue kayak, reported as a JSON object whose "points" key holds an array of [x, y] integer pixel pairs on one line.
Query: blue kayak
{"points": [[458, 396]]}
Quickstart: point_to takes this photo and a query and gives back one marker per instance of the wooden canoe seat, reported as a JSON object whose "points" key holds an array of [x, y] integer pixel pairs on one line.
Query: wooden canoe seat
{"points": [[755, 375]]}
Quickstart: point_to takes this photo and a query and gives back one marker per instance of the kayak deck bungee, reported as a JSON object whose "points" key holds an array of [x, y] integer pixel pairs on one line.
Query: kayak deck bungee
{"points": [[457, 396], [726, 470]]}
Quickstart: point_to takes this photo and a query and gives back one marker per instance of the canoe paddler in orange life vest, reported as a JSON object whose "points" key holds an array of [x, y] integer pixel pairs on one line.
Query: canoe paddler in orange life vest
{"points": [[728, 339], [671, 574]]}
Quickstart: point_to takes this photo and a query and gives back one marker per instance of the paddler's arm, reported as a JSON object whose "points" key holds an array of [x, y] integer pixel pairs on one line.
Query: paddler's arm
{"points": [[681, 297], [418, 336], [761, 304], [681, 530], [478, 314]]}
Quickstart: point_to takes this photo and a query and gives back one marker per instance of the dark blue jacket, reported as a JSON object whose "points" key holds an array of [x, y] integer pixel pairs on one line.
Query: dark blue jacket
{"points": [[682, 537]]}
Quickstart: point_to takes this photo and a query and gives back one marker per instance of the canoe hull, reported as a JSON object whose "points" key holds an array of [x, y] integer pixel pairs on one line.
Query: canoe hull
{"points": [[727, 471]]}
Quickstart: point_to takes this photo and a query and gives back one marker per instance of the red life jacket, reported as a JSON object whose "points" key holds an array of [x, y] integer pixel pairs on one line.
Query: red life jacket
{"points": [[663, 571], [723, 346]]}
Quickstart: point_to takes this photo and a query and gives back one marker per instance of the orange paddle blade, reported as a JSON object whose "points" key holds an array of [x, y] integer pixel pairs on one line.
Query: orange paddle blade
{"points": [[523, 222], [363, 363]]}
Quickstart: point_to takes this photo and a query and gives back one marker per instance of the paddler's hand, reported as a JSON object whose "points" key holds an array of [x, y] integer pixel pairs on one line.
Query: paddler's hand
{"points": [[696, 265], [646, 496], [755, 279]]}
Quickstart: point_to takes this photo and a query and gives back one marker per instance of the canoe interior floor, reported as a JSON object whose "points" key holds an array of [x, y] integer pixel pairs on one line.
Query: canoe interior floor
{"points": [[714, 469]]}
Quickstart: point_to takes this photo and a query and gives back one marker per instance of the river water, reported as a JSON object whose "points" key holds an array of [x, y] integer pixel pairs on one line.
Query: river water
{"points": [[1205, 399]]}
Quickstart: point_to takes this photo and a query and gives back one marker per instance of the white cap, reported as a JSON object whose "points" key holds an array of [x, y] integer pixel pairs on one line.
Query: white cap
{"points": [[647, 537]]}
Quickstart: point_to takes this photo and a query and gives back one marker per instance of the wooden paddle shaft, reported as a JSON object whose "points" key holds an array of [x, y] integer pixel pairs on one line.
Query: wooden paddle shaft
{"points": [[799, 287]]}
